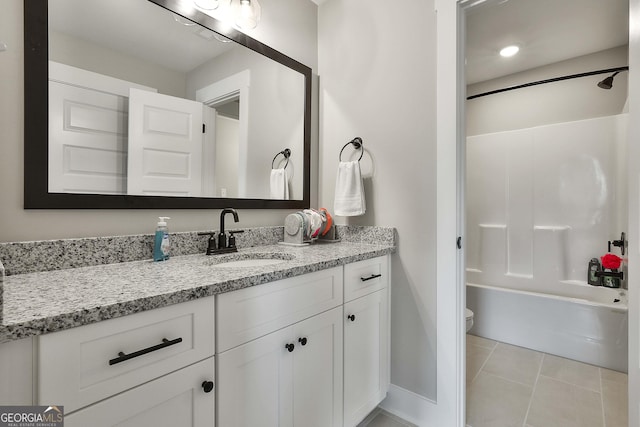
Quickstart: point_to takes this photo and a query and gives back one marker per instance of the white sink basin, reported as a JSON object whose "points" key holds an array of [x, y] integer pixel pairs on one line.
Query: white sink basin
{"points": [[250, 263], [258, 259]]}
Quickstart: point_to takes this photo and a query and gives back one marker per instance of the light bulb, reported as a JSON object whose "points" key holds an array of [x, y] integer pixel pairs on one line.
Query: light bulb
{"points": [[509, 51], [246, 13]]}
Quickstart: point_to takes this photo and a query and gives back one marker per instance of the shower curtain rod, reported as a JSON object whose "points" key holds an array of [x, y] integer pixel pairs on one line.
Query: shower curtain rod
{"points": [[555, 79]]}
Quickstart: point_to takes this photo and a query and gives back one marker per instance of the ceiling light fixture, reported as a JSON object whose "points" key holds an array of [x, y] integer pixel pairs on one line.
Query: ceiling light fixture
{"points": [[246, 13], [207, 4], [509, 51]]}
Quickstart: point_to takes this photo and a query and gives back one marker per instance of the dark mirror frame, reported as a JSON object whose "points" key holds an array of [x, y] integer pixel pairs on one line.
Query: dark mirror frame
{"points": [[36, 123]]}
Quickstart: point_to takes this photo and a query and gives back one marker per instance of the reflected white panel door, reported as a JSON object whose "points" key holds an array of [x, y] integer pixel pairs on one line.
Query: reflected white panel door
{"points": [[87, 140], [165, 145]]}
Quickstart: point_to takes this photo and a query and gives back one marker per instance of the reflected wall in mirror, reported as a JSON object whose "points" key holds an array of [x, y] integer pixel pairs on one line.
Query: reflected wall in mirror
{"points": [[149, 109]]}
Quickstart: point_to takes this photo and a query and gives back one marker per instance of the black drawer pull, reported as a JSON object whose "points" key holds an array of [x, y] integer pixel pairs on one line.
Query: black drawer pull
{"points": [[373, 276], [122, 357], [352, 317]]}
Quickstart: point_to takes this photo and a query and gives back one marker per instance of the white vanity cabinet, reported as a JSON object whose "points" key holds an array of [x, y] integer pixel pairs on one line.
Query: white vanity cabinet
{"points": [[366, 337], [16, 372], [155, 361], [176, 399], [290, 377], [267, 377], [287, 368], [306, 351]]}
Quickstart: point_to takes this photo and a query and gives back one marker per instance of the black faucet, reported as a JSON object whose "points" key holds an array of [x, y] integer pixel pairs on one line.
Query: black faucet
{"points": [[222, 237]]}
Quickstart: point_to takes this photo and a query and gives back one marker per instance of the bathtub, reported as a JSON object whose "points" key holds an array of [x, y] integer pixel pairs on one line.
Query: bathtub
{"points": [[583, 324]]}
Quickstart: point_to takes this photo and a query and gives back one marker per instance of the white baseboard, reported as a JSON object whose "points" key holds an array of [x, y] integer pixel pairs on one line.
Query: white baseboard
{"points": [[411, 407]]}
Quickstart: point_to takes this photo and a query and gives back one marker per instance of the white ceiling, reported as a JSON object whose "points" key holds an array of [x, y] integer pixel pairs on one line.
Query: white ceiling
{"points": [[137, 28], [547, 31]]}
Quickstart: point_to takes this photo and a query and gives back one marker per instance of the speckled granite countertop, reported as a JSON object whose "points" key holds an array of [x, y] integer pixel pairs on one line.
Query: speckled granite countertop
{"points": [[49, 301]]}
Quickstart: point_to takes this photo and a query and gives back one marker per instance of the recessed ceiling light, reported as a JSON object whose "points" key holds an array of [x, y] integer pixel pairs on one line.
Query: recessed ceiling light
{"points": [[509, 51]]}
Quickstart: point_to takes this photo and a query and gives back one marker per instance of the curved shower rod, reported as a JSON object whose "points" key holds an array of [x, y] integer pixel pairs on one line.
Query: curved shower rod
{"points": [[555, 79]]}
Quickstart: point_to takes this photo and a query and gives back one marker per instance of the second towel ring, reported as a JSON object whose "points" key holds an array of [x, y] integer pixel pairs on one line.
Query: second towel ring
{"points": [[286, 153], [357, 143]]}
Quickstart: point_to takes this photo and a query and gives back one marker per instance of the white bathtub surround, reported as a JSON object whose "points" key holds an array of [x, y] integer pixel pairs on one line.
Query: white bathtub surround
{"points": [[584, 324], [543, 201]]}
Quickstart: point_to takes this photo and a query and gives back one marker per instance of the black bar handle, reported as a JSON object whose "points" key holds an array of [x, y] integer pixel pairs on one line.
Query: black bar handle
{"points": [[123, 357], [373, 276]]}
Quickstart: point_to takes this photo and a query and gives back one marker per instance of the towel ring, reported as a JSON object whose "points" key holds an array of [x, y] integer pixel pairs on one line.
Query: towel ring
{"points": [[357, 143], [286, 153]]}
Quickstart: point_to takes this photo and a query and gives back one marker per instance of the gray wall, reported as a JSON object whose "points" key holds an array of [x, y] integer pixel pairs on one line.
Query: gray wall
{"points": [[90, 56], [557, 102], [288, 25], [275, 110], [377, 81]]}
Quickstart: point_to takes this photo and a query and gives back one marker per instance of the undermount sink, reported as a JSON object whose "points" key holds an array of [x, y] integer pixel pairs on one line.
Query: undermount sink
{"points": [[258, 259]]}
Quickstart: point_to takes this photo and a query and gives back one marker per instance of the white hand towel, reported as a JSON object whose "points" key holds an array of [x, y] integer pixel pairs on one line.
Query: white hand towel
{"points": [[279, 184], [349, 196]]}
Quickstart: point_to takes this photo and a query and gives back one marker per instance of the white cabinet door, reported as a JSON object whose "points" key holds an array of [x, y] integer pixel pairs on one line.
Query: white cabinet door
{"points": [[165, 145], [16, 372], [317, 371], [255, 383], [177, 399], [262, 383], [366, 366]]}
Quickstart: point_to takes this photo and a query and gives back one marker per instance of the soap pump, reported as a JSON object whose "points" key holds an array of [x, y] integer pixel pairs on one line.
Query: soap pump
{"points": [[161, 242]]}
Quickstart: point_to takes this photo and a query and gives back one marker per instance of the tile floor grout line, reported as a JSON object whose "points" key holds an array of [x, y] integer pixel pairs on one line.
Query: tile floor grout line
{"points": [[572, 384], [604, 419], [533, 391], [485, 362]]}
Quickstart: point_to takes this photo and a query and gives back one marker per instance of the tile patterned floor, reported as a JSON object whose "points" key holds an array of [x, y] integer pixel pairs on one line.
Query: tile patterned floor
{"points": [[513, 386], [509, 386], [380, 418]]}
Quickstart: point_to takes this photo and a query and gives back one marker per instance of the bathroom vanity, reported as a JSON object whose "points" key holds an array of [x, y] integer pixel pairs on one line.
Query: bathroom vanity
{"points": [[270, 336]]}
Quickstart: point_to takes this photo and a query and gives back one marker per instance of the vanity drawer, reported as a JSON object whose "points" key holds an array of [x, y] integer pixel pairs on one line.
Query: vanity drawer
{"points": [[249, 313], [363, 277], [83, 365]]}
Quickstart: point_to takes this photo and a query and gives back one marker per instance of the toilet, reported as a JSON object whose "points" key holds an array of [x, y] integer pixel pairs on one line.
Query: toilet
{"points": [[469, 317]]}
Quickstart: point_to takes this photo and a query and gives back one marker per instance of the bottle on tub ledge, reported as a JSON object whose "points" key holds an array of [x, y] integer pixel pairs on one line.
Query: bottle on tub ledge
{"points": [[161, 241], [594, 267]]}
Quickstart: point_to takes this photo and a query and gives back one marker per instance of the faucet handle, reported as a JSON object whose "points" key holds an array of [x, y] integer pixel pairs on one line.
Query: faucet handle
{"points": [[232, 238], [211, 242]]}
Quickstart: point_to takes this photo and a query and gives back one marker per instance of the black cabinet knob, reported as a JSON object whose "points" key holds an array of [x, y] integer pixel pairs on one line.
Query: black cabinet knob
{"points": [[289, 347], [352, 317], [303, 340], [207, 386]]}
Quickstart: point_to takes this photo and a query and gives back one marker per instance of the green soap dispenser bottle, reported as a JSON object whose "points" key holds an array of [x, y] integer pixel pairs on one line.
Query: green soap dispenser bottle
{"points": [[161, 241]]}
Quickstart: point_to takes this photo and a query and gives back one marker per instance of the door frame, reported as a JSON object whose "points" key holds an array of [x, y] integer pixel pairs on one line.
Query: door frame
{"points": [[450, 210], [236, 85]]}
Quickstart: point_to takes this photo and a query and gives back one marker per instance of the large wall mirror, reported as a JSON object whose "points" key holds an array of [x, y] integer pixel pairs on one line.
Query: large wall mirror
{"points": [[157, 104]]}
